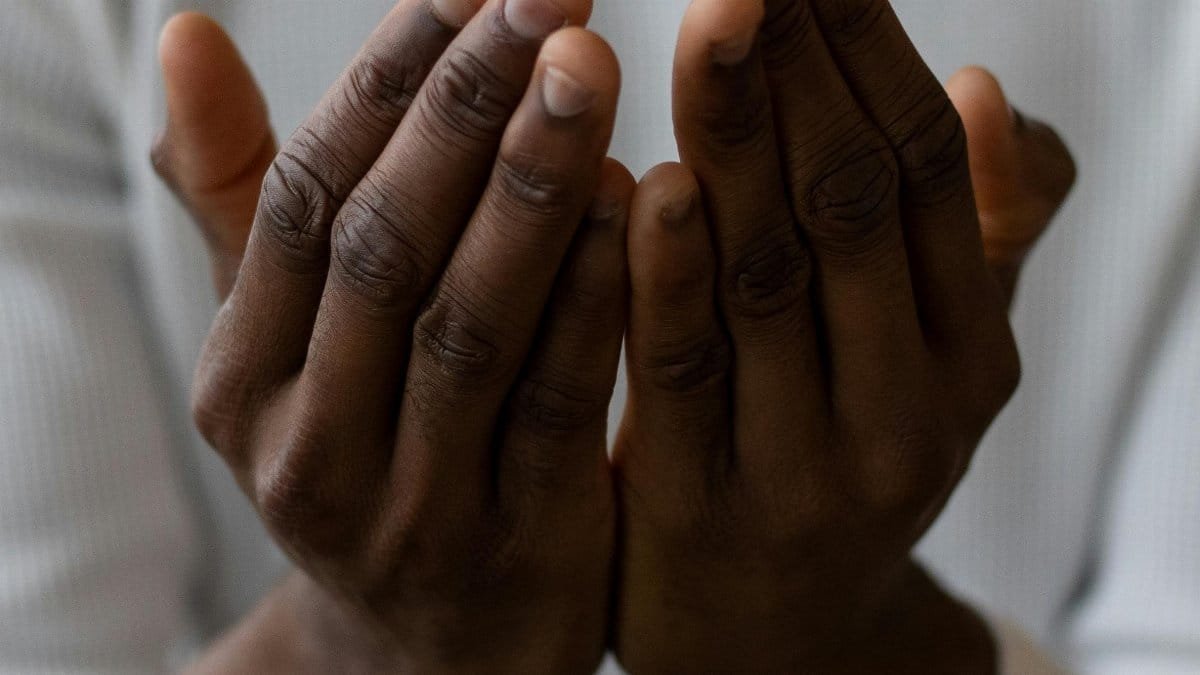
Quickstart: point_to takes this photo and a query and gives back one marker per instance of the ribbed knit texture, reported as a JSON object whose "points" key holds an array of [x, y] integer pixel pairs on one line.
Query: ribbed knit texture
{"points": [[123, 542]]}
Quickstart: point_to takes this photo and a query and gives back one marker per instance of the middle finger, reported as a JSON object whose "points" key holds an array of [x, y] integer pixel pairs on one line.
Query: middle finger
{"points": [[474, 333], [727, 136], [845, 192]]}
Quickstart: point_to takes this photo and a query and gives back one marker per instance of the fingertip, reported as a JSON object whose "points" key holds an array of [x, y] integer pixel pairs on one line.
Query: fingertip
{"points": [[187, 36], [217, 117], [587, 59], [720, 31], [976, 82], [614, 195], [206, 78], [991, 133], [667, 195], [981, 103], [670, 249]]}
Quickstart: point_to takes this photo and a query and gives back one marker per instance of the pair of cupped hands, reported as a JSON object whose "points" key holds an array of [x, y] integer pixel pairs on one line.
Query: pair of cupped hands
{"points": [[427, 288]]}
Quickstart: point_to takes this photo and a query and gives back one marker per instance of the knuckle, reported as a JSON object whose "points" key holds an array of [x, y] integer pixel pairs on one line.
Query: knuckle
{"points": [[468, 99], [304, 506], [847, 21], [284, 499], [210, 412], [297, 208], [556, 404], [589, 302], [504, 554], [382, 88], [787, 34], [531, 185], [689, 368], [734, 127], [899, 495], [933, 152], [770, 280], [903, 474], [709, 518], [373, 255], [462, 348], [850, 205], [291, 503], [223, 402]]}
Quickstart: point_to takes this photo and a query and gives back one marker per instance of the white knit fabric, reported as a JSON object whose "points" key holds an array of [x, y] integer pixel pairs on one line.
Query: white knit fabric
{"points": [[123, 543]]}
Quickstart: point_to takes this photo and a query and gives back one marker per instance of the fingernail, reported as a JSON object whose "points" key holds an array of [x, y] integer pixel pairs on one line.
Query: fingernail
{"points": [[732, 51], [456, 13], [534, 19], [563, 95], [678, 210]]}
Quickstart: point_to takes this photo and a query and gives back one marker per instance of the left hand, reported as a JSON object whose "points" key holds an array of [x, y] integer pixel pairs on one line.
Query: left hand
{"points": [[811, 371], [413, 392]]}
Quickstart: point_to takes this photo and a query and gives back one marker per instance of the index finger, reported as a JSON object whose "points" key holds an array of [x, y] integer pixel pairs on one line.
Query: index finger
{"points": [[261, 336]]}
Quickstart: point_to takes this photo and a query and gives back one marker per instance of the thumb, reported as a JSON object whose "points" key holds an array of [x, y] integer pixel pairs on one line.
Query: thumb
{"points": [[218, 143], [1020, 169]]}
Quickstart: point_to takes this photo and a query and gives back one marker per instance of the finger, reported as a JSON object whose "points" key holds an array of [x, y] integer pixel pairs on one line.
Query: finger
{"points": [[399, 226], [676, 424], [556, 416], [955, 292], [727, 136], [218, 141], [262, 335], [1021, 172], [475, 332], [844, 186]]}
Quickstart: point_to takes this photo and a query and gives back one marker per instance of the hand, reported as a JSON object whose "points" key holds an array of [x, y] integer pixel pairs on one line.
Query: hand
{"points": [[816, 345], [411, 374]]}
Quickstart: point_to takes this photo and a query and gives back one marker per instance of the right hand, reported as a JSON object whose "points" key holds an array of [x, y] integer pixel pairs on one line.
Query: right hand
{"points": [[411, 373], [817, 342]]}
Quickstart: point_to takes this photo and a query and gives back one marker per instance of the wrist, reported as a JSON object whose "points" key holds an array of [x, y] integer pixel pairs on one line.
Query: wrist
{"points": [[298, 628], [545, 640], [908, 626], [923, 629]]}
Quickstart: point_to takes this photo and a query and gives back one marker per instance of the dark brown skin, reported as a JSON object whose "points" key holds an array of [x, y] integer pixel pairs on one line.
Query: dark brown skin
{"points": [[817, 340], [411, 373], [816, 346]]}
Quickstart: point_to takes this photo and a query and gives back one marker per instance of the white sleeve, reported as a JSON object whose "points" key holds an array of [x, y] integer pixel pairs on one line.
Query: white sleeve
{"points": [[1140, 612], [96, 541]]}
